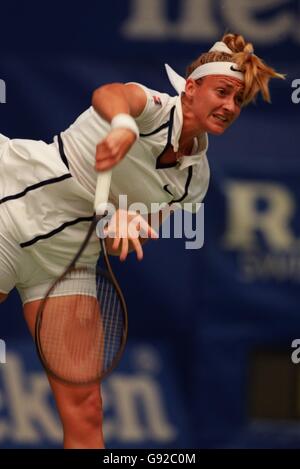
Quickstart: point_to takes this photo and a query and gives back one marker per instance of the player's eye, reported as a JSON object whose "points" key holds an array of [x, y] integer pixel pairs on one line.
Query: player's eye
{"points": [[221, 91]]}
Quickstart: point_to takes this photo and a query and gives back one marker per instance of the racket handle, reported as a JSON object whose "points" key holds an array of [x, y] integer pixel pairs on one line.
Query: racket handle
{"points": [[102, 192]]}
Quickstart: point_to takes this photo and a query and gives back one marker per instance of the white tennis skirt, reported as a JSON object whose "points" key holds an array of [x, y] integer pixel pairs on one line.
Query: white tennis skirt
{"points": [[44, 217]]}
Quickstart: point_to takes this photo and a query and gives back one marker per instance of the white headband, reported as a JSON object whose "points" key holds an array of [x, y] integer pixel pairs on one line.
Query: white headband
{"points": [[211, 68]]}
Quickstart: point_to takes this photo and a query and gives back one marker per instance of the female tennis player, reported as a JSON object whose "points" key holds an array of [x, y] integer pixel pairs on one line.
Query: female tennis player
{"points": [[157, 146]]}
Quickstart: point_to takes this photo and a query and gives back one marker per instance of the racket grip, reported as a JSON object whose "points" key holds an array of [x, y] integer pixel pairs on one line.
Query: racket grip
{"points": [[102, 192]]}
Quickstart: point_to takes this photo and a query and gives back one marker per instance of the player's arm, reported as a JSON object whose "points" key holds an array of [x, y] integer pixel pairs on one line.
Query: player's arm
{"points": [[111, 101], [115, 98]]}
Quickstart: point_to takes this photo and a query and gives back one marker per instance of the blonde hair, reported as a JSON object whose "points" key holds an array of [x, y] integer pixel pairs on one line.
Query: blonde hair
{"points": [[257, 73]]}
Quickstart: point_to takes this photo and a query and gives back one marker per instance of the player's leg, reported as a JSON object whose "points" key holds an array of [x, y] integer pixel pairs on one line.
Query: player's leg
{"points": [[79, 407]]}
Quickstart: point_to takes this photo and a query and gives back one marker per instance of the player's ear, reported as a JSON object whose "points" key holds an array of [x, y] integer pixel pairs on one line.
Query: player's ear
{"points": [[190, 88]]}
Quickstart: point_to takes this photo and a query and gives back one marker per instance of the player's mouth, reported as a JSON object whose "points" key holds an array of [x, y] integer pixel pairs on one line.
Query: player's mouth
{"points": [[221, 118]]}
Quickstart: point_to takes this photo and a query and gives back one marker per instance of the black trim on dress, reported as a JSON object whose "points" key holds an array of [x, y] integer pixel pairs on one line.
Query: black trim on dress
{"points": [[62, 151], [35, 186], [55, 231]]}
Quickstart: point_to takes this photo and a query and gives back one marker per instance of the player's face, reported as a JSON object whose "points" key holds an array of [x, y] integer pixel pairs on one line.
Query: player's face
{"points": [[217, 102]]}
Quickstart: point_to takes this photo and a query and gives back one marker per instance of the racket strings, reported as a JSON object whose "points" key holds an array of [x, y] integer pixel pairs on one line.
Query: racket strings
{"points": [[113, 320], [80, 335]]}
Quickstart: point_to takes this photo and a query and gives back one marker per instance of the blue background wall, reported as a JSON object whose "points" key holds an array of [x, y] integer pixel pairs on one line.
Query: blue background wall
{"points": [[190, 376]]}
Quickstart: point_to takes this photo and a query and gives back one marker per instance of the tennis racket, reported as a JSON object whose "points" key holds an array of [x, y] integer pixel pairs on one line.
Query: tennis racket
{"points": [[80, 336]]}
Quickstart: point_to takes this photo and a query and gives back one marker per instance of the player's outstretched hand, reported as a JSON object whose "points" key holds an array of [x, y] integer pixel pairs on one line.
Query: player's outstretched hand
{"points": [[126, 231]]}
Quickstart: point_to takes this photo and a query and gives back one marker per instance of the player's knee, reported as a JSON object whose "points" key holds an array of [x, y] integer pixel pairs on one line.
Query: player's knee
{"points": [[91, 408], [85, 407], [3, 297]]}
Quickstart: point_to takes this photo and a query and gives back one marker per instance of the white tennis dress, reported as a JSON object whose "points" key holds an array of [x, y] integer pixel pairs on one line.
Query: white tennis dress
{"points": [[47, 190]]}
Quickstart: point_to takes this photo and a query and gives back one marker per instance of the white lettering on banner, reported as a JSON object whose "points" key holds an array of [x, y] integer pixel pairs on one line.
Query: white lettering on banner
{"points": [[240, 16], [280, 259], [149, 20], [134, 407], [130, 394], [28, 405], [279, 267], [244, 219], [198, 20], [4, 425]]}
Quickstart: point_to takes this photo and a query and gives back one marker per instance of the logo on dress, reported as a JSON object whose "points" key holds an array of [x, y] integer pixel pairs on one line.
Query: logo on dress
{"points": [[157, 100]]}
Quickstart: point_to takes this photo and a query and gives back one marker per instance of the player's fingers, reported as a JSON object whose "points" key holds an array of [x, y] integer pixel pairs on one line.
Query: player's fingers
{"points": [[138, 248], [152, 233], [105, 164], [105, 154], [116, 243], [124, 249], [146, 230], [108, 144]]}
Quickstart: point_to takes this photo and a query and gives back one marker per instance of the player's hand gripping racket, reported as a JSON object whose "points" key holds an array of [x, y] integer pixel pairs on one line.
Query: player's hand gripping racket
{"points": [[80, 336]]}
